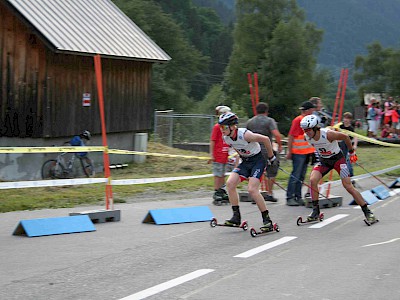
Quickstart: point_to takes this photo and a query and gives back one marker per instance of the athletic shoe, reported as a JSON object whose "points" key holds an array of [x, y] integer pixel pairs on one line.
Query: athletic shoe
{"points": [[235, 220], [292, 202], [267, 226], [270, 198]]}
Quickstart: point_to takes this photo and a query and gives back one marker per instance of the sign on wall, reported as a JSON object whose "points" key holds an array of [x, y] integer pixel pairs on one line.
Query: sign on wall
{"points": [[86, 99]]}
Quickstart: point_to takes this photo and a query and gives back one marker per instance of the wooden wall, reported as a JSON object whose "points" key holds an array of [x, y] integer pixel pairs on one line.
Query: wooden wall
{"points": [[41, 91]]}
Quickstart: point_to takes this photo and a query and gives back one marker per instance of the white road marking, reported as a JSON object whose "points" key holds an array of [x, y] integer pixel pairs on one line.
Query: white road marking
{"points": [[387, 242], [266, 247], [328, 221], [167, 285]]}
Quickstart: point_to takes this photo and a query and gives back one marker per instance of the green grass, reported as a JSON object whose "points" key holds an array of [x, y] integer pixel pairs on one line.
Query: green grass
{"points": [[371, 158]]}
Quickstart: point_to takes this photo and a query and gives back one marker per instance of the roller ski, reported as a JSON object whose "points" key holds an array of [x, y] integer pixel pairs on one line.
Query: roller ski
{"points": [[243, 225], [315, 216], [264, 230], [370, 219], [310, 219]]}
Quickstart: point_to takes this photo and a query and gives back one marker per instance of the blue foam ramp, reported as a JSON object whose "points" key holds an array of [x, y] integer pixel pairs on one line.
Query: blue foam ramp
{"points": [[368, 196], [395, 184], [381, 192], [178, 215], [51, 226]]}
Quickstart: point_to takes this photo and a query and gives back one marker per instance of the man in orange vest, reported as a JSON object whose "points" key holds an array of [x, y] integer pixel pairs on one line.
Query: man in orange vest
{"points": [[300, 152]]}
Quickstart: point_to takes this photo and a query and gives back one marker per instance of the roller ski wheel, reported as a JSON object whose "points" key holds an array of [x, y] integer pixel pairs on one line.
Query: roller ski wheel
{"points": [[369, 223], [254, 232], [214, 223], [300, 220]]}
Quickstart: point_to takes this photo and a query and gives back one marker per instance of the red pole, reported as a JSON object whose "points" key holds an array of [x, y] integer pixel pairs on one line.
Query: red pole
{"points": [[337, 97], [343, 94], [106, 160], [249, 79], [256, 87]]}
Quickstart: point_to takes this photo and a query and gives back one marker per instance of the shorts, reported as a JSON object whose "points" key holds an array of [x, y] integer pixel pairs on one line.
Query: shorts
{"points": [[253, 166], [272, 170], [338, 162], [372, 126], [218, 169]]}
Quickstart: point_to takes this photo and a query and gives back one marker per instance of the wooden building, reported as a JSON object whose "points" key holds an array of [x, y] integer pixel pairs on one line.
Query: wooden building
{"points": [[48, 82]]}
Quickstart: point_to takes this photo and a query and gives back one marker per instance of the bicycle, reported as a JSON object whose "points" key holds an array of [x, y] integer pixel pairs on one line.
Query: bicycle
{"points": [[60, 168]]}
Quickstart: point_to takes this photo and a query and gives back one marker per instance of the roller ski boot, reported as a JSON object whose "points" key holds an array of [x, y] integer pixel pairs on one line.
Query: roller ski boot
{"points": [[315, 216], [370, 218], [235, 221], [267, 227], [220, 197]]}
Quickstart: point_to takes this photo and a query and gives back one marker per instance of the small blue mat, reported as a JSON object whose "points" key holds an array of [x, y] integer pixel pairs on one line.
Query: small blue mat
{"points": [[381, 192], [50, 226], [178, 215], [368, 196]]}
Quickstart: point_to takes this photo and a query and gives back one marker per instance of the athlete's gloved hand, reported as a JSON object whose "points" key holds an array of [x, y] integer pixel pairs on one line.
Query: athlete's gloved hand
{"points": [[353, 156], [272, 160]]}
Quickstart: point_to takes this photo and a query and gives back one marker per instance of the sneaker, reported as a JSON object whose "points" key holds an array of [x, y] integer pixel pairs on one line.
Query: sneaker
{"points": [[235, 220], [267, 226], [218, 195], [270, 198], [370, 216], [300, 201], [292, 202]]}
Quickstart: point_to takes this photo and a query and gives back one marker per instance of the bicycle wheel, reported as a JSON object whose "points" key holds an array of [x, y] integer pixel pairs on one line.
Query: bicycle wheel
{"points": [[51, 170], [87, 166]]}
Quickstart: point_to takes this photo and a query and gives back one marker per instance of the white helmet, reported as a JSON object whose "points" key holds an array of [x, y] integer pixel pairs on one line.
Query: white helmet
{"points": [[309, 121], [228, 118], [221, 109]]}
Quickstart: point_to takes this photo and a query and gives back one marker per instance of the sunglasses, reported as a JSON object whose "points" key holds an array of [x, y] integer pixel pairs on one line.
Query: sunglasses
{"points": [[223, 127]]}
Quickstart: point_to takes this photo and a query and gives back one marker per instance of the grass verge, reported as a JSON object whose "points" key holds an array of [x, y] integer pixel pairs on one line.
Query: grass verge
{"points": [[371, 158]]}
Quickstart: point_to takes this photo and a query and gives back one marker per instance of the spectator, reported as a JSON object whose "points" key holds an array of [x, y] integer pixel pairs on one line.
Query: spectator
{"points": [[318, 112], [386, 131], [77, 140], [219, 159], [371, 114], [300, 152], [395, 120], [388, 111], [347, 125], [265, 125]]}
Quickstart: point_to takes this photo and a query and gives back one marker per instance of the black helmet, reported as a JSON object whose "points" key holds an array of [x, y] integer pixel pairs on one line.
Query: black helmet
{"points": [[228, 118], [86, 134]]}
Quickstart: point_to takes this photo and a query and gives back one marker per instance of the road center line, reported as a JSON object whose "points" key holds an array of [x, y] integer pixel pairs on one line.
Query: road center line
{"points": [[328, 221], [167, 285], [266, 247]]}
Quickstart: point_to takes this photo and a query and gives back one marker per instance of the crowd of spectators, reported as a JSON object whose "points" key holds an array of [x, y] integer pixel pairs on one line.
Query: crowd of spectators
{"points": [[383, 118]]}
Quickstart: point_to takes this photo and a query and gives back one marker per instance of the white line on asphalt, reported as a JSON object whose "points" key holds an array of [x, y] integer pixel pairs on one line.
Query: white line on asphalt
{"points": [[387, 242], [266, 247], [328, 221], [167, 285]]}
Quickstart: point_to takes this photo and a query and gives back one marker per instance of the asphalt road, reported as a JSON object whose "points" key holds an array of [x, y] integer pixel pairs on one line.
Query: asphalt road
{"points": [[345, 259]]}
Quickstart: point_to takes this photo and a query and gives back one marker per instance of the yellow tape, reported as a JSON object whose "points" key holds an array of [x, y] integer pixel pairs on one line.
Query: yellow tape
{"points": [[364, 138], [117, 151], [50, 149]]}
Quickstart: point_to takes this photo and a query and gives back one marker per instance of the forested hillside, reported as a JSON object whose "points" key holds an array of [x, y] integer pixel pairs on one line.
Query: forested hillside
{"points": [[350, 25]]}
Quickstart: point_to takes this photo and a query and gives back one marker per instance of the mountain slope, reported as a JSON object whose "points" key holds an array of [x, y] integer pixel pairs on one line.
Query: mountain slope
{"points": [[351, 25]]}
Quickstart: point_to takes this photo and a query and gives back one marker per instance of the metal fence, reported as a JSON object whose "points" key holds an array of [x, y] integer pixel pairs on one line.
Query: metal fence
{"points": [[170, 127]]}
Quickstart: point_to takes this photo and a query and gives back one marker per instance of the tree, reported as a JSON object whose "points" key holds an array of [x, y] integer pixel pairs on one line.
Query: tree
{"points": [[170, 81], [272, 38]]}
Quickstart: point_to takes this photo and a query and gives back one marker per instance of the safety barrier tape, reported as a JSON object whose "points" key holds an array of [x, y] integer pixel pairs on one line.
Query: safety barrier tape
{"points": [[49, 183], [364, 138], [51, 149]]}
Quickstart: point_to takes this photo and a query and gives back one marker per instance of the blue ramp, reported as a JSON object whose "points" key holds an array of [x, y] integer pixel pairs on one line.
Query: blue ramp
{"points": [[178, 215], [368, 196], [381, 192], [395, 184], [51, 226]]}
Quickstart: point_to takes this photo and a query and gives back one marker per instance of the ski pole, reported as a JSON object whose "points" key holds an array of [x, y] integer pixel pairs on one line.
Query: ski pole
{"points": [[302, 182], [372, 175], [280, 186]]}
